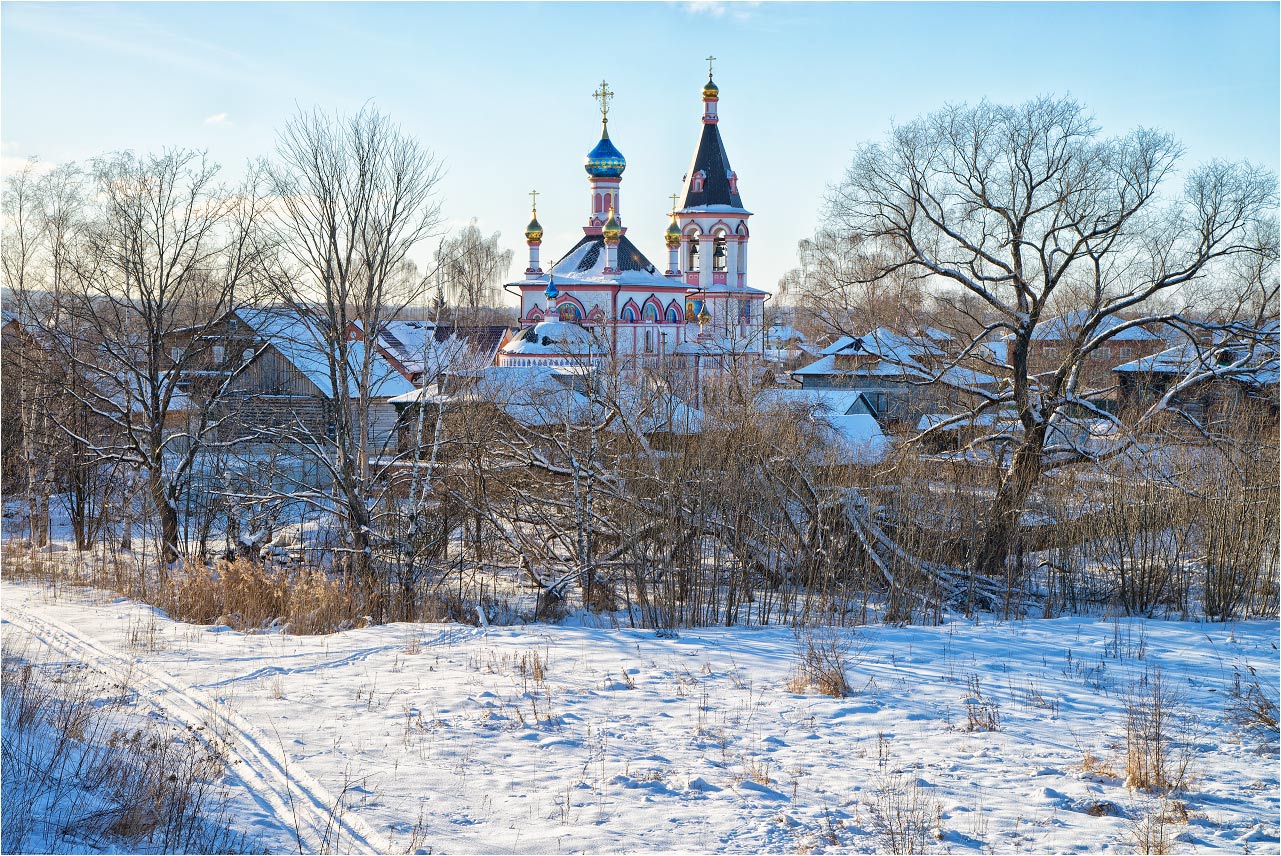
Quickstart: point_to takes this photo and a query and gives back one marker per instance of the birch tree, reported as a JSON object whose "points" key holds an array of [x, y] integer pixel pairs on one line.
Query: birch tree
{"points": [[471, 268]]}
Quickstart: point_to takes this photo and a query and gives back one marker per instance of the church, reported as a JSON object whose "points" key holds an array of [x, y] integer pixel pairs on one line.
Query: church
{"points": [[605, 302]]}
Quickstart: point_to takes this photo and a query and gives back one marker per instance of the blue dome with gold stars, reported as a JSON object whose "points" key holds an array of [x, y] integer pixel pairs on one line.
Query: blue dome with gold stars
{"points": [[605, 161]]}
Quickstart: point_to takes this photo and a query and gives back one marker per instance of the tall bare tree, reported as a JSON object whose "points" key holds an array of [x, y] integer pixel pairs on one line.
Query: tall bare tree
{"points": [[1013, 208], [354, 195]]}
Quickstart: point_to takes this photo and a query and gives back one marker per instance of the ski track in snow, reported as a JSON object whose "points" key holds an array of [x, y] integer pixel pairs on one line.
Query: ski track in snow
{"points": [[283, 789], [270, 671]]}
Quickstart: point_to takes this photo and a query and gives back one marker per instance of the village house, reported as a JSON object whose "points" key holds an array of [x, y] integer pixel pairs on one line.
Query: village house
{"points": [[902, 377], [283, 387], [1229, 375], [422, 351]]}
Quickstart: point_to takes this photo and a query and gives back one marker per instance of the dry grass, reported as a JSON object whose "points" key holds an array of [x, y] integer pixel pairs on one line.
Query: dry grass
{"points": [[1157, 751], [74, 782], [822, 657], [1253, 706], [248, 595], [904, 815], [981, 713]]}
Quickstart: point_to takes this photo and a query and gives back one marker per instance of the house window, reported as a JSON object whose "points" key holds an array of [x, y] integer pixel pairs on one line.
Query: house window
{"points": [[1051, 352], [246, 355], [175, 354], [219, 354], [745, 311], [649, 341], [1127, 353], [882, 403], [231, 326]]}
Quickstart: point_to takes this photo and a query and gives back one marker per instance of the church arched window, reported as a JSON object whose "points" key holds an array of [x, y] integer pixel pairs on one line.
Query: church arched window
{"points": [[673, 315], [649, 314], [628, 315]]}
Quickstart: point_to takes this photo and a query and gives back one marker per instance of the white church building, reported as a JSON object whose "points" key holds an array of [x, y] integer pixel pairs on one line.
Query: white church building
{"points": [[604, 301]]}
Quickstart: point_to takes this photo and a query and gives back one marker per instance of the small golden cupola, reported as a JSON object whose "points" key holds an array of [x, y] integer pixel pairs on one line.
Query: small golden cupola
{"points": [[673, 234], [611, 231], [534, 231], [710, 89]]}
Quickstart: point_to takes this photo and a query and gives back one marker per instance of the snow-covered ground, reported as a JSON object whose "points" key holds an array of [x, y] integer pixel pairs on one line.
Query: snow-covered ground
{"points": [[549, 739]]}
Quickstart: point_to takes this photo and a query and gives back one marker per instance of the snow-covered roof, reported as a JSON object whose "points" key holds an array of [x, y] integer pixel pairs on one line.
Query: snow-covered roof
{"points": [[427, 349], [302, 341], [541, 396], [584, 264], [784, 333], [841, 402], [843, 418], [898, 356], [987, 419], [857, 438], [555, 337], [1067, 325], [839, 345], [1252, 362]]}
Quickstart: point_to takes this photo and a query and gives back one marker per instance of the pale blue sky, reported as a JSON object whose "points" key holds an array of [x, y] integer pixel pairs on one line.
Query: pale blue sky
{"points": [[501, 92]]}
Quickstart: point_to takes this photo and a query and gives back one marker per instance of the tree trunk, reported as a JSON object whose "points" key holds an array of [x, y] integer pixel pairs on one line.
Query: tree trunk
{"points": [[168, 514], [1002, 524]]}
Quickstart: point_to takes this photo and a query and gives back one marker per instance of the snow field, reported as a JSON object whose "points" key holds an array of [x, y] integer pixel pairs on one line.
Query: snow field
{"points": [[546, 739]]}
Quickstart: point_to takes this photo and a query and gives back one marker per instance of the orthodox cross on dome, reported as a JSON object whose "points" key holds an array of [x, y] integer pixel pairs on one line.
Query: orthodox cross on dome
{"points": [[533, 199], [603, 95], [675, 198], [710, 60]]}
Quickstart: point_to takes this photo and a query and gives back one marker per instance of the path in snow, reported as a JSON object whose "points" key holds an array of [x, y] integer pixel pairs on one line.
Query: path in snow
{"points": [[284, 790]]}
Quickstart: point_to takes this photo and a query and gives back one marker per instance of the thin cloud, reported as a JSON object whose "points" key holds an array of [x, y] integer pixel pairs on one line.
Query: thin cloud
{"points": [[217, 119], [738, 9]]}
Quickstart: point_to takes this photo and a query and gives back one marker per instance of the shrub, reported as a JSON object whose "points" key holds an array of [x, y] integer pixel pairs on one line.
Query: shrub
{"points": [[821, 660]]}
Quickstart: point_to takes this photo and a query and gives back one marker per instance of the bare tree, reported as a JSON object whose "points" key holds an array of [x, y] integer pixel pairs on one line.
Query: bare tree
{"points": [[353, 197], [836, 292], [1017, 207], [471, 267]]}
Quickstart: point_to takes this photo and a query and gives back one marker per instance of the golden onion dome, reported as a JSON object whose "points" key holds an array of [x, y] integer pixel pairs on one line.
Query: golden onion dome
{"points": [[534, 231], [673, 233], [611, 230], [710, 89]]}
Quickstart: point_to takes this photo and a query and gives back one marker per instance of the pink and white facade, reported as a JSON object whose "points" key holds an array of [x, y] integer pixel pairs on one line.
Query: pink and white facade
{"points": [[629, 309]]}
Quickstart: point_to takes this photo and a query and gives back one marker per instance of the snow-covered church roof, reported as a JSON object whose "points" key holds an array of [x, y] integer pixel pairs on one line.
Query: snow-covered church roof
{"points": [[584, 264], [555, 337]]}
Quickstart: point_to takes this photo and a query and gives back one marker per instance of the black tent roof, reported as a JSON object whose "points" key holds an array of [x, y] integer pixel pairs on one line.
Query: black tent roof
{"points": [[712, 160]]}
